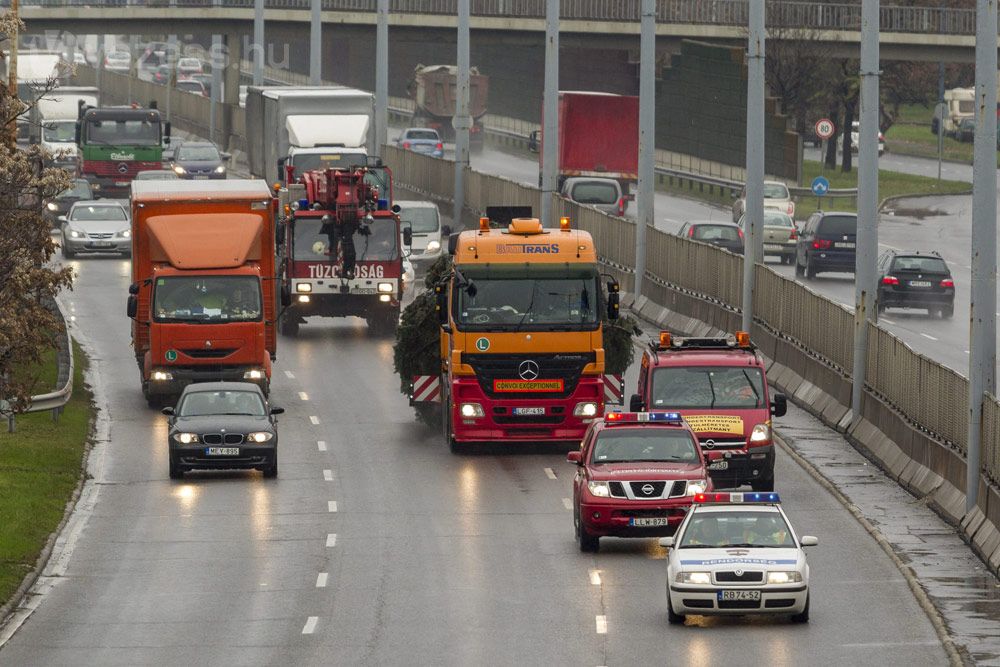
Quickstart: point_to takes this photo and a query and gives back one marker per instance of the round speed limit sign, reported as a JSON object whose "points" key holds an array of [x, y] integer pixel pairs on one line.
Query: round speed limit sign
{"points": [[824, 128]]}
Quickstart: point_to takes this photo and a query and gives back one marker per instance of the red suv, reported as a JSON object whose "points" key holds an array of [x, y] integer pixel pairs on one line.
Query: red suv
{"points": [[718, 385], [637, 474]]}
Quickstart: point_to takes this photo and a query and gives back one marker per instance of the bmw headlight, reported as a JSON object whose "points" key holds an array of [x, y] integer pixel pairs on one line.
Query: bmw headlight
{"points": [[599, 489], [761, 433], [703, 578], [697, 486], [186, 438], [784, 577], [260, 436]]}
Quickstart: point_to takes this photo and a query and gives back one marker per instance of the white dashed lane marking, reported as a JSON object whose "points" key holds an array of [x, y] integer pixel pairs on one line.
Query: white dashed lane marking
{"points": [[328, 475], [310, 626], [595, 577], [331, 539], [321, 580], [602, 625], [927, 336], [289, 375], [550, 473], [567, 503], [321, 445], [314, 419], [304, 396], [331, 505]]}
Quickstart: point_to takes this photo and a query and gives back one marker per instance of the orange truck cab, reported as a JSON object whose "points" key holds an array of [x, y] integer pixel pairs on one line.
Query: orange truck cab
{"points": [[720, 388], [202, 298], [522, 343]]}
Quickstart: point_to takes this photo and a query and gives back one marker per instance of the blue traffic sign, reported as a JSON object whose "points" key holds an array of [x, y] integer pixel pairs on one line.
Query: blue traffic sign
{"points": [[820, 186]]}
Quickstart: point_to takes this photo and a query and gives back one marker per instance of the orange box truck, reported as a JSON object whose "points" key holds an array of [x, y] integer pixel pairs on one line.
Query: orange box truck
{"points": [[202, 299]]}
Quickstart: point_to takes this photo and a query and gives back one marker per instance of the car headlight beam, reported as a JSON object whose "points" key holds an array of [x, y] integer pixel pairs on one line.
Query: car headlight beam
{"points": [[586, 409], [784, 577], [471, 410], [761, 433], [702, 578], [186, 438], [385, 288], [695, 487], [260, 437], [433, 246]]}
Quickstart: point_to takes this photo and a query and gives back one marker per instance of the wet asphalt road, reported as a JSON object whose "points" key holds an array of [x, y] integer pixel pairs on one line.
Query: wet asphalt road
{"points": [[378, 546]]}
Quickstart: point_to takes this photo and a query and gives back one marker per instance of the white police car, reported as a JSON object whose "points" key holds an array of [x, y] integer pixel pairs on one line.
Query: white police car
{"points": [[734, 554]]}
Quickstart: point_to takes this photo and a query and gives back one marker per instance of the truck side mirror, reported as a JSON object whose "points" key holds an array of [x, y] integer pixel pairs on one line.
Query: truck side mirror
{"points": [[407, 236], [613, 300], [779, 405], [133, 288], [396, 208], [77, 131], [635, 403], [132, 306], [286, 297], [166, 131], [34, 138], [441, 303], [452, 244]]}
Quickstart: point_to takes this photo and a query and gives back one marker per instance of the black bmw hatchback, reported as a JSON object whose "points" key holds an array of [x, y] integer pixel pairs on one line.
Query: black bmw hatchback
{"points": [[908, 279], [219, 425]]}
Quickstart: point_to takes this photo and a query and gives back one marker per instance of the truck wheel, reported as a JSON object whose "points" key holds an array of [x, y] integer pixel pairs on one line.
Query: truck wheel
{"points": [[947, 312], [799, 271], [288, 326], [810, 270], [588, 543], [804, 616]]}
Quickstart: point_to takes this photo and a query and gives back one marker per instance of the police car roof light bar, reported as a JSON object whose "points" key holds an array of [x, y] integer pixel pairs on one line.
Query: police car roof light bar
{"points": [[768, 498], [636, 417]]}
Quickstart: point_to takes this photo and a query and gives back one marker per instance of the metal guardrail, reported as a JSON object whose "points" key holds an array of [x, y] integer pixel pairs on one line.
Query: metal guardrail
{"points": [[56, 399], [821, 16]]}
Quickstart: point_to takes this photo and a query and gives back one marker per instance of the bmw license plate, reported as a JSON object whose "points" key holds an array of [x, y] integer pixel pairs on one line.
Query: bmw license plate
{"points": [[739, 596], [718, 465], [529, 411], [222, 451], [920, 283], [843, 245], [648, 521]]}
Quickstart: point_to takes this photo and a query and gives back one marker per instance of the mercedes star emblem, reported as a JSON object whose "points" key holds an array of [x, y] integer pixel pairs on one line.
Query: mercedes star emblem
{"points": [[123, 168], [647, 489], [528, 370]]}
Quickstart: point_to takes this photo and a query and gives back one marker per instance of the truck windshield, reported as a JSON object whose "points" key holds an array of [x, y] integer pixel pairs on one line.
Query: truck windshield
{"points": [[707, 387], [421, 219], [378, 246], [304, 162], [207, 299], [644, 444], [122, 132], [59, 131], [527, 297]]}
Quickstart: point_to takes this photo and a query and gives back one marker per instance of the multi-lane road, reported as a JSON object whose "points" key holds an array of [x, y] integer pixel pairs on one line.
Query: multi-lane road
{"points": [[943, 224], [377, 546]]}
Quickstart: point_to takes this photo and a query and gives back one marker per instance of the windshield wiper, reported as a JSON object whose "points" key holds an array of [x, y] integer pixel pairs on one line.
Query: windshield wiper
{"points": [[753, 389], [699, 546], [237, 414]]}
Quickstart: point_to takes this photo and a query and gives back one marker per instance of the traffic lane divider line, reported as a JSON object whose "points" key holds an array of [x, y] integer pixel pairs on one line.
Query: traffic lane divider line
{"points": [[310, 626], [289, 375], [595, 577], [602, 625], [567, 503], [331, 505], [328, 475], [321, 445], [314, 419], [331, 539], [321, 580], [550, 473], [303, 396]]}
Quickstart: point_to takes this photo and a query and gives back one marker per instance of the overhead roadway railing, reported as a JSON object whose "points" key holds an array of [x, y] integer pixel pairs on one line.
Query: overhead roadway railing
{"points": [[784, 15]]}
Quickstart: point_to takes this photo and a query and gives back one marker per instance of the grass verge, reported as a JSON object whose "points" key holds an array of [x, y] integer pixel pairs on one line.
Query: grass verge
{"points": [[911, 135], [39, 470]]}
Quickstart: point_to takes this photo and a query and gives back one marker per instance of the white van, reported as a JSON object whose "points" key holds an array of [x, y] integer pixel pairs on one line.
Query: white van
{"points": [[424, 220]]}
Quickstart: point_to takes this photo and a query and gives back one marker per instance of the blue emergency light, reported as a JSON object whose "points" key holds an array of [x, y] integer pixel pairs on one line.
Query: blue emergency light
{"points": [[383, 204], [736, 497], [303, 204]]}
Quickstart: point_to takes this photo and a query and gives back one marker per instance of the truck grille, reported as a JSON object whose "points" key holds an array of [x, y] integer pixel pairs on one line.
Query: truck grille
{"points": [[722, 443], [209, 353], [565, 367]]}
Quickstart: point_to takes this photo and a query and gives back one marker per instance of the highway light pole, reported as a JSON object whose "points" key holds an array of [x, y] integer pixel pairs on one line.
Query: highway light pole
{"points": [[316, 43], [257, 48], [647, 138], [550, 111], [983, 302], [755, 156], [866, 240], [462, 122], [382, 75], [217, 62]]}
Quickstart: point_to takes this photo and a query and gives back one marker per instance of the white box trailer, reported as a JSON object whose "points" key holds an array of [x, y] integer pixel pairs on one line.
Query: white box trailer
{"points": [[53, 122], [288, 122]]}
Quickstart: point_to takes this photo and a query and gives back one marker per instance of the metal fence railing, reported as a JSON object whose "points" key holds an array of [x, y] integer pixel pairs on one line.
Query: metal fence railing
{"points": [[991, 434], [784, 15]]}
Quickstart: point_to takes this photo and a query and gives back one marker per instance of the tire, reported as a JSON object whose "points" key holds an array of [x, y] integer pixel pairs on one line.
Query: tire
{"points": [[67, 253], [271, 471], [176, 469], [798, 268], [588, 543], [810, 271], [288, 326], [763, 485], [672, 617], [947, 312], [804, 616]]}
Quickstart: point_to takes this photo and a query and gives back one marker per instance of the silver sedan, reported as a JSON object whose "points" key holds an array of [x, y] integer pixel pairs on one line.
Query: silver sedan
{"points": [[96, 226]]}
